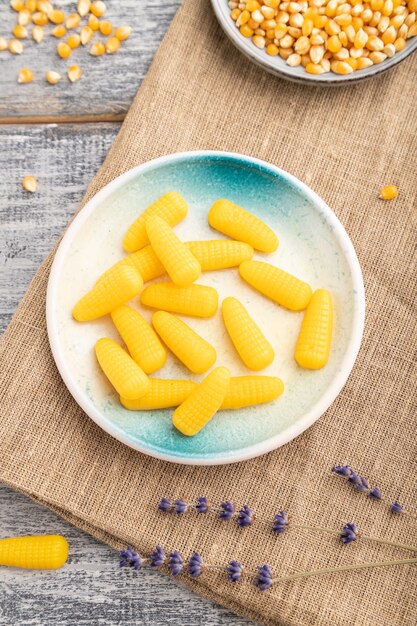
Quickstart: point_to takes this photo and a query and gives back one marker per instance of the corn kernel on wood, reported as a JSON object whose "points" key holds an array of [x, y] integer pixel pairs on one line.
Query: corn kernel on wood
{"points": [[276, 284], [140, 338], [251, 344], [230, 219], [202, 403], [191, 349], [218, 254], [250, 390], [123, 32], [129, 380], [314, 341], [116, 288], [34, 552], [162, 394], [171, 207], [195, 300], [29, 183], [182, 267]]}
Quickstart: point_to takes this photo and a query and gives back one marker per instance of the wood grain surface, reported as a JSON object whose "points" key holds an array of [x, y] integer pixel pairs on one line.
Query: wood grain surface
{"points": [[64, 156]]}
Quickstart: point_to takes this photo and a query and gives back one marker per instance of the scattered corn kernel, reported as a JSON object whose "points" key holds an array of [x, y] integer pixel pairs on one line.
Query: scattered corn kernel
{"points": [[25, 75], [105, 28], [123, 32], [53, 77], [30, 5], [202, 403], [74, 41], [98, 8], [17, 5], [44, 6], [56, 17], [24, 18], [314, 341], [249, 390], [389, 192], [195, 300], [20, 32], [40, 19], [29, 183], [38, 552], [162, 394], [93, 22], [63, 50], [86, 35], [112, 45], [59, 31], [97, 49], [83, 7], [15, 46], [72, 21], [74, 73], [129, 380], [37, 33]]}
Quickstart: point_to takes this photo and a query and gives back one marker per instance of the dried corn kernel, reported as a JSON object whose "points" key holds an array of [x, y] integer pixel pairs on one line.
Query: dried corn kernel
{"points": [[17, 5], [25, 75], [274, 283], [39, 552], [314, 341], [218, 254], [123, 32], [29, 183], [195, 300], [30, 5], [252, 346], [98, 8], [129, 380], [40, 19], [140, 338], [20, 32], [37, 33], [112, 45], [341, 67], [24, 18], [105, 28], [56, 17], [86, 35], [3, 44], [249, 390], [44, 6], [72, 21], [74, 73], [97, 49], [389, 192], [59, 31], [230, 219], [191, 349], [63, 50], [116, 288], [73, 41], [15, 46], [171, 207], [93, 22], [53, 77], [83, 7], [162, 394], [202, 403]]}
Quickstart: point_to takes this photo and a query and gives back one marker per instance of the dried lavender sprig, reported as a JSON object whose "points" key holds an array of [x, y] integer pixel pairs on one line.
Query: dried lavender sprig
{"points": [[280, 523], [349, 533], [245, 517], [234, 571], [130, 558], [180, 506], [157, 557], [175, 563], [396, 507], [263, 579], [202, 505], [195, 565], [227, 510]]}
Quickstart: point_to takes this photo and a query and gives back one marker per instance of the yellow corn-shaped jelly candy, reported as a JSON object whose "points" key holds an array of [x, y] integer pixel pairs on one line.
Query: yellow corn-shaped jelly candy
{"points": [[42, 552], [315, 338], [171, 207], [280, 286], [129, 380], [119, 285], [202, 403], [191, 349], [253, 348], [195, 300], [181, 265], [218, 254], [140, 338], [162, 394], [248, 390], [230, 219], [144, 261]]}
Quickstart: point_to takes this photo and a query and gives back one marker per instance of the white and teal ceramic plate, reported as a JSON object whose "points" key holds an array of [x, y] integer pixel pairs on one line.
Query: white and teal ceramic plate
{"points": [[313, 245]]}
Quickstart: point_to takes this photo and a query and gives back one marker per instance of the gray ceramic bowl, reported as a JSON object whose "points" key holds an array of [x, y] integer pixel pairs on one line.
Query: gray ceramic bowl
{"points": [[277, 66]]}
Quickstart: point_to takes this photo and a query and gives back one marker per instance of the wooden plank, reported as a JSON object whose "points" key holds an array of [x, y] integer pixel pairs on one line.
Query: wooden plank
{"points": [[91, 589], [109, 83]]}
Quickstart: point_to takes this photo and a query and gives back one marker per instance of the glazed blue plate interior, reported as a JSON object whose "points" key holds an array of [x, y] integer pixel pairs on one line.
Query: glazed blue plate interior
{"points": [[313, 245]]}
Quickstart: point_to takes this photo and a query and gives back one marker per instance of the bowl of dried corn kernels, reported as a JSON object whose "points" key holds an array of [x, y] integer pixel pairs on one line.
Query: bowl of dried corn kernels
{"points": [[327, 42], [205, 307]]}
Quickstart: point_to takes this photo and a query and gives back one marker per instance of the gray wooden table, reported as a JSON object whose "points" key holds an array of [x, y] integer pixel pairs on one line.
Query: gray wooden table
{"points": [[61, 134]]}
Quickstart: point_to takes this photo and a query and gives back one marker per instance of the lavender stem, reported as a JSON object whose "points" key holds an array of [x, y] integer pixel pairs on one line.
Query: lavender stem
{"points": [[329, 531], [344, 568]]}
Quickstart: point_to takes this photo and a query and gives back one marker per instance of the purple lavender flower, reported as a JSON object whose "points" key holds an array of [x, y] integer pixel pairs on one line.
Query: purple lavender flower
{"points": [[263, 579], [130, 558], [195, 565], [349, 533], [175, 563], [165, 505], [375, 493], [234, 571], [245, 517], [202, 505], [362, 484], [280, 523], [157, 557], [354, 479], [227, 511], [342, 470], [180, 506], [396, 507]]}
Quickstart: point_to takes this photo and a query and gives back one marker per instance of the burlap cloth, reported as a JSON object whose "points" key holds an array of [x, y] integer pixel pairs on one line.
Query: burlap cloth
{"points": [[346, 143]]}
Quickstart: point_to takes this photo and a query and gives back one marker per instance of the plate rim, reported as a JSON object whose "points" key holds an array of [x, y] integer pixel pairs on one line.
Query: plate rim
{"points": [[257, 449]]}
